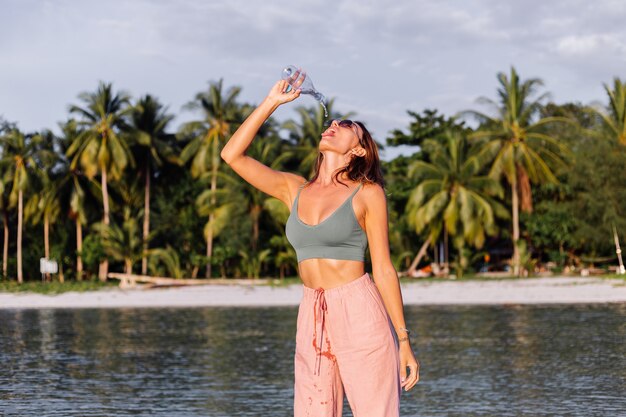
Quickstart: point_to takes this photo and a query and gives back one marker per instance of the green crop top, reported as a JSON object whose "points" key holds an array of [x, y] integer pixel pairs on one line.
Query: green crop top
{"points": [[339, 236]]}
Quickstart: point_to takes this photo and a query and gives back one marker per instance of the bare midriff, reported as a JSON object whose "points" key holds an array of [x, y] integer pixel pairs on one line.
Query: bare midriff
{"points": [[329, 273]]}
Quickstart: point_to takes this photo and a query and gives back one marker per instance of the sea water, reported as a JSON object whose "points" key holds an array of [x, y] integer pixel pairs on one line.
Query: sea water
{"points": [[551, 360]]}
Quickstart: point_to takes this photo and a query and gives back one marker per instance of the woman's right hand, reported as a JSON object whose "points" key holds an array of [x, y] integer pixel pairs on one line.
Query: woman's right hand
{"points": [[280, 95]]}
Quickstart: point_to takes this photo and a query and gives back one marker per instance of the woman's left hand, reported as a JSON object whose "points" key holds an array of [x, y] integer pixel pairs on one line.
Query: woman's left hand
{"points": [[407, 360]]}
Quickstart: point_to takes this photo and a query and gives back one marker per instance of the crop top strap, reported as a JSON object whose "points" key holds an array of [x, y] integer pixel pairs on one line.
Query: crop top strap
{"points": [[300, 189], [297, 195], [356, 189]]}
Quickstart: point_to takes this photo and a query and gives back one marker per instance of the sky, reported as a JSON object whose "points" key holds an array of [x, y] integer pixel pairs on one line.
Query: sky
{"points": [[376, 58]]}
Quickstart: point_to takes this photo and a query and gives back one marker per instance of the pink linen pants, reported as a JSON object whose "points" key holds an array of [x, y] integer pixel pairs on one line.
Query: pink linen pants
{"points": [[345, 343]]}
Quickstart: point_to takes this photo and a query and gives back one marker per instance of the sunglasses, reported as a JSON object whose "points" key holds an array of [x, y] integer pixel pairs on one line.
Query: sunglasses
{"points": [[349, 124]]}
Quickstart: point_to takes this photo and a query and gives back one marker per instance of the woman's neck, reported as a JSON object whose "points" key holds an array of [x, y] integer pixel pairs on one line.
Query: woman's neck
{"points": [[331, 163]]}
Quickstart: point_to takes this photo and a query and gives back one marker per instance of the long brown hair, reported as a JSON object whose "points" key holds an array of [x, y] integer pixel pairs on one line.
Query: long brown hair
{"points": [[365, 169]]}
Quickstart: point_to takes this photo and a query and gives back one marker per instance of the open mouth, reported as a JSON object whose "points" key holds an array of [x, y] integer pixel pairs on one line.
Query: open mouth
{"points": [[328, 132]]}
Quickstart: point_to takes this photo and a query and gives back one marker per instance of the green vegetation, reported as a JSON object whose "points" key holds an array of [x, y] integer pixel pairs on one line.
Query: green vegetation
{"points": [[532, 185], [56, 287]]}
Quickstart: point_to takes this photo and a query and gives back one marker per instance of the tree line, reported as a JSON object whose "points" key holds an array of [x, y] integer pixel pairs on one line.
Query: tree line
{"points": [[518, 181]]}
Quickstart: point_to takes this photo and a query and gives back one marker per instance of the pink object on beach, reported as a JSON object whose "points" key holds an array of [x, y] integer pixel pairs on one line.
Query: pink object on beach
{"points": [[345, 342]]}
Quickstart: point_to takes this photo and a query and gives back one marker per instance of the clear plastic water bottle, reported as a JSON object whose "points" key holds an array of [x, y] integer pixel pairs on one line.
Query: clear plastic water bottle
{"points": [[291, 74]]}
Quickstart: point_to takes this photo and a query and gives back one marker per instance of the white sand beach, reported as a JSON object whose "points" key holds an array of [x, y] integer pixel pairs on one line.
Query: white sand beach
{"points": [[509, 291]]}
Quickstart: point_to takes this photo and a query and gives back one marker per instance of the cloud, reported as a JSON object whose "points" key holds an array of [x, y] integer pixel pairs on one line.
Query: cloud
{"points": [[379, 58], [591, 44]]}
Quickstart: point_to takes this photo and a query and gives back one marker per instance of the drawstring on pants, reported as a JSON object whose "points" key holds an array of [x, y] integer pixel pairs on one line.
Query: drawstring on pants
{"points": [[319, 306]]}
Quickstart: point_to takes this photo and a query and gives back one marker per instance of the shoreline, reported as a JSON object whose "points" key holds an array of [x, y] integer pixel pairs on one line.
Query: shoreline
{"points": [[553, 290]]}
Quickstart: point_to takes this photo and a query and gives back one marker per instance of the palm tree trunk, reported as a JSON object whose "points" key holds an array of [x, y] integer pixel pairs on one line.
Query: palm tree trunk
{"points": [[146, 223], [418, 257], [128, 266], [46, 236], [104, 265], [446, 251], [209, 248], [618, 251], [515, 215], [46, 240], [79, 249], [256, 213], [460, 262], [5, 253], [209, 240], [20, 197], [61, 274], [525, 191]]}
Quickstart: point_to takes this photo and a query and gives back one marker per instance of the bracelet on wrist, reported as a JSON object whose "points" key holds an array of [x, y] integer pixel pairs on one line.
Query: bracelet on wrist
{"points": [[403, 339], [403, 329]]}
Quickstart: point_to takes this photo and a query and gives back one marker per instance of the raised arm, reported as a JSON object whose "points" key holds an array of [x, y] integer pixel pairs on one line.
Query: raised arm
{"points": [[275, 183]]}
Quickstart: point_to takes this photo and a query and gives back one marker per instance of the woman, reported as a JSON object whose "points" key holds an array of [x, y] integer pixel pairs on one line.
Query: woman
{"points": [[351, 334]]}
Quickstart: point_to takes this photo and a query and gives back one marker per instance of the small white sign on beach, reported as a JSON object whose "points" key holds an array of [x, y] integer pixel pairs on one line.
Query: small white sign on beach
{"points": [[48, 266]]}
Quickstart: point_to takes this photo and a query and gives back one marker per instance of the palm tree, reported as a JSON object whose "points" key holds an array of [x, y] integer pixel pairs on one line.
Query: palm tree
{"points": [[149, 122], [19, 163], [77, 213], [522, 152], [100, 148], [4, 206], [428, 124], [614, 117], [166, 260], [5, 127], [220, 206], [70, 186], [235, 197], [221, 113], [451, 195], [122, 243], [43, 206], [253, 262]]}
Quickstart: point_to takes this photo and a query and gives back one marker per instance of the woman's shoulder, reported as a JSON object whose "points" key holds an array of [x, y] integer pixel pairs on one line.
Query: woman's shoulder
{"points": [[294, 181], [371, 201], [372, 194], [372, 189]]}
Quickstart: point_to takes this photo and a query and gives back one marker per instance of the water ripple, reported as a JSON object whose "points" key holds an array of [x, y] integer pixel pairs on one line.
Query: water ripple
{"points": [[476, 361]]}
